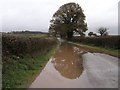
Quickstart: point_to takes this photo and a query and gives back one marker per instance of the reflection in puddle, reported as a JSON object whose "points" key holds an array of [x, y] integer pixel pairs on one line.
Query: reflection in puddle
{"points": [[68, 61]]}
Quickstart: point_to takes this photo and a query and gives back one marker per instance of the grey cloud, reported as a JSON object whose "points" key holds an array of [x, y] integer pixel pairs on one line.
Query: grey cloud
{"points": [[36, 14]]}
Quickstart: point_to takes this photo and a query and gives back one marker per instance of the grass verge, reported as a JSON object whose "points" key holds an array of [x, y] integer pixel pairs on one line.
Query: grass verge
{"points": [[22, 72], [92, 48]]}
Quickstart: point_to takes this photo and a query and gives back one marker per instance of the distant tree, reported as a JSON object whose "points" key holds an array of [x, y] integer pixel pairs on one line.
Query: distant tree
{"points": [[94, 34], [103, 31], [105, 34], [68, 19], [90, 33]]}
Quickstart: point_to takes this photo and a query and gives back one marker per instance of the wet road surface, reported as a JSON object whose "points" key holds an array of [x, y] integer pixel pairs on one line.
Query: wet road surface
{"points": [[70, 67], [64, 66]]}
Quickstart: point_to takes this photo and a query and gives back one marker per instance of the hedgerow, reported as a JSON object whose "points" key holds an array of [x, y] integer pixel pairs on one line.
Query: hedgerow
{"points": [[105, 41], [22, 58], [20, 46]]}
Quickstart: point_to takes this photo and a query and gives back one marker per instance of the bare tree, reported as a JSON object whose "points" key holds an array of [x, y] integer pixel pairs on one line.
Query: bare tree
{"points": [[103, 31]]}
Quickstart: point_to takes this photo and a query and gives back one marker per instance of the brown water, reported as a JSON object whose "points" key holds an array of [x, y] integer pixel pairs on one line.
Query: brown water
{"points": [[63, 69], [68, 61]]}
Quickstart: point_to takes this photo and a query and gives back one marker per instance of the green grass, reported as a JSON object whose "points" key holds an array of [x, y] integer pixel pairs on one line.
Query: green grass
{"points": [[20, 74], [38, 36], [92, 48]]}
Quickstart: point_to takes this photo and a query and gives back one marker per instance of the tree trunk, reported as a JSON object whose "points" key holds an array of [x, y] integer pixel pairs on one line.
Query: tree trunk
{"points": [[69, 34]]}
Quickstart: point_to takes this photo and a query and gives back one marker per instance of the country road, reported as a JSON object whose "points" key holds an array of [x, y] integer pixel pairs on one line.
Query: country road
{"points": [[71, 67]]}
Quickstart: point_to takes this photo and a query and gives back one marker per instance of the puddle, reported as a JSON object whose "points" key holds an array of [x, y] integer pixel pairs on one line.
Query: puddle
{"points": [[63, 69], [68, 61]]}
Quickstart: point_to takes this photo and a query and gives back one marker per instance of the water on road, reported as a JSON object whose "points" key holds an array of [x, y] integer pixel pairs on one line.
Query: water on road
{"points": [[68, 61], [70, 67], [64, 66]]}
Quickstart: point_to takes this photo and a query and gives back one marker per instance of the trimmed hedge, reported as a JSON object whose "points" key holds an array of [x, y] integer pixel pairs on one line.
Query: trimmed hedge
{"points": [[23, 57], [20, 46], [106, 41]]}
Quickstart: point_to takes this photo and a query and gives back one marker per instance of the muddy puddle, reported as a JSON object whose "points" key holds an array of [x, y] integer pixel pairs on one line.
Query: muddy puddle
{"points": [[64, 66], [65, 70], [68, 61]]}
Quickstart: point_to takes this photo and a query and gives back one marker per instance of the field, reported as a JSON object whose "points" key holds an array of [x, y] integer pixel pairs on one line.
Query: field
{"points": [[23, 57]]}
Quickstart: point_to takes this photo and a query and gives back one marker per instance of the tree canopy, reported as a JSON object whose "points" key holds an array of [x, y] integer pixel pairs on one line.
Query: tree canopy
{"points": [[67, 20]]}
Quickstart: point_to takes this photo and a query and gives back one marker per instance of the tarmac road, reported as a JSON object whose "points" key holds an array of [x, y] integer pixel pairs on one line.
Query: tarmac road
{"points": [[99, 70]]}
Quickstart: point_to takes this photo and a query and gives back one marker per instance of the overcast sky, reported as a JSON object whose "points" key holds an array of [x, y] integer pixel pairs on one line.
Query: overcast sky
{"points": [[36, 14]]}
